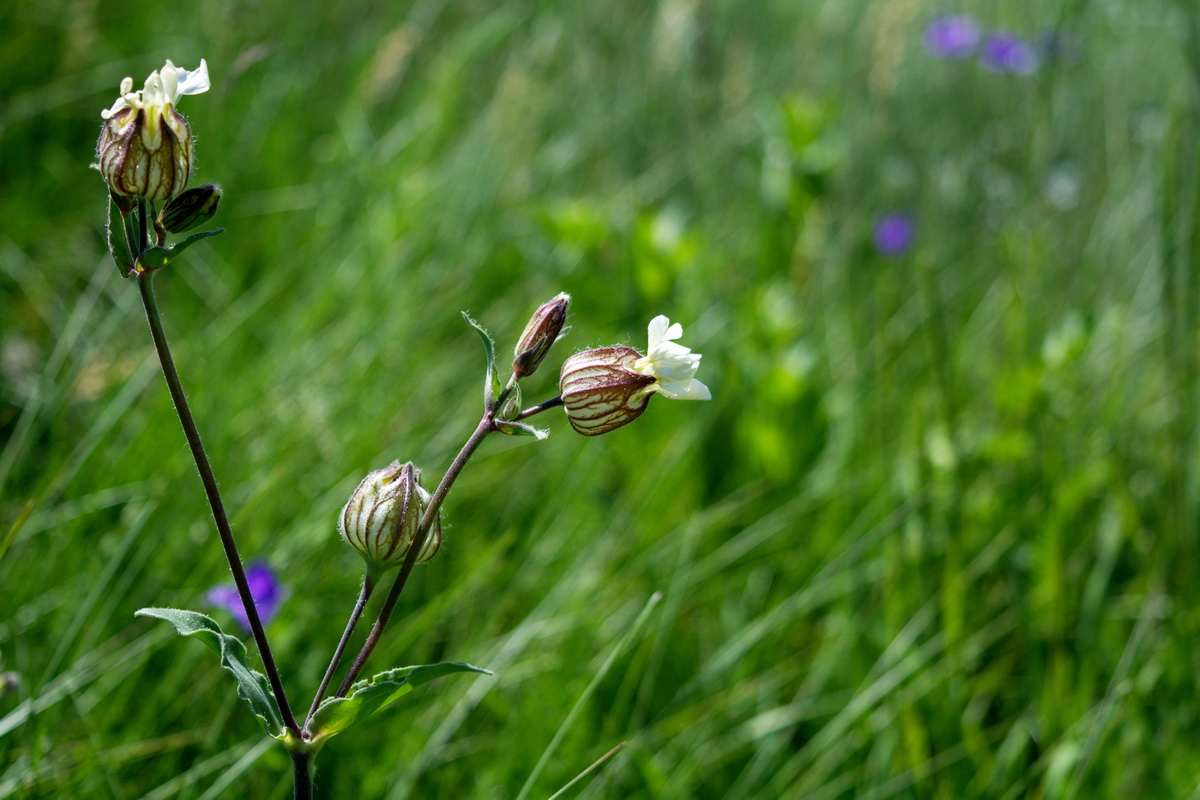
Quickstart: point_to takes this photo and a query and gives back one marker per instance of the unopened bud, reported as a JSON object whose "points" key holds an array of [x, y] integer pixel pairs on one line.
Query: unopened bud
{"points": [[542, 330], [601, 390], [193, 207], [383, 516], [511, 410]]}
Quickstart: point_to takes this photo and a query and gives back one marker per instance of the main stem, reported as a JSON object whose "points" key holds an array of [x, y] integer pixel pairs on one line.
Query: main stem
{"points": [[302, 769], [486, 425], [210, 490]]}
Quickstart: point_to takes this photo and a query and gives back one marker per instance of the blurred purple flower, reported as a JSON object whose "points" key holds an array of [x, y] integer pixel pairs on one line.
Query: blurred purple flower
{"points": [[267, 592], [1005, 52], [952, 36], [894, 234]]}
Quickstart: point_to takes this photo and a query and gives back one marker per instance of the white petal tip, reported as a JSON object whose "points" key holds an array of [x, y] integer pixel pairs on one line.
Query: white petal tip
{"points": [[196, 81]]}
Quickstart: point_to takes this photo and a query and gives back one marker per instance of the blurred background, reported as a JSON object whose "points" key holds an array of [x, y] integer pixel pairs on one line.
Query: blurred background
{"points": [[935, 536]]}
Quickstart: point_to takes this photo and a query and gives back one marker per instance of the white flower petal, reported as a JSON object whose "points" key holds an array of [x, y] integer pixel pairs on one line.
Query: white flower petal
{"points": [[658, 327], [670, 351], [194, 82], [153, 93], [692, 390], [170, 82], [122, 102], [672, 365], [162, 88], [118, 105]]}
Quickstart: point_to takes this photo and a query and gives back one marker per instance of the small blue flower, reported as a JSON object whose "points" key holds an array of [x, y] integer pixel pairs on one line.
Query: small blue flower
{"points": [[266, 590], [894, 234], [952, 36], [1005, 52]]}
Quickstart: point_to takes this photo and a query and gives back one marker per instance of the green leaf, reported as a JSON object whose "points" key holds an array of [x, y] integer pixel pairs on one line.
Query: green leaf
{"points": [[159, 257], [253, 687], [154, 258], [179, 247], [377, 693], [118, 246], [491, 380], [521, 429]]}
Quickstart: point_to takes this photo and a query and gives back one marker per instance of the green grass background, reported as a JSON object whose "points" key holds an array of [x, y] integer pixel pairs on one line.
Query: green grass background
{"points": [[934, 537]]}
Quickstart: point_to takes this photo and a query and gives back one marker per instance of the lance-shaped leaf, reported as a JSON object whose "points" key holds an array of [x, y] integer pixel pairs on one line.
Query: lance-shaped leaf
{"points": [[253, 686], [491, 380], [158, 257], [377, 693]]}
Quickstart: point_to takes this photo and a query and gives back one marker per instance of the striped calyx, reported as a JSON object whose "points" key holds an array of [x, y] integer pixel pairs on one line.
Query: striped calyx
{"points": [[383, 516], [601, 390], [134, 170]]}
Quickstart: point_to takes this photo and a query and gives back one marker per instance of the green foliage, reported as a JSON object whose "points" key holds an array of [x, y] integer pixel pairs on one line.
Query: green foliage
{"points": [[159, 257], [371, 696], [252, 686], [491, 377]]}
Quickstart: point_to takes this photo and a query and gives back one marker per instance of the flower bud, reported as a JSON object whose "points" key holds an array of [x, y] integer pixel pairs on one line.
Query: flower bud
{"points": [[145, 145], [383, 515], [540, 333], [193, 207], [601, 390]]}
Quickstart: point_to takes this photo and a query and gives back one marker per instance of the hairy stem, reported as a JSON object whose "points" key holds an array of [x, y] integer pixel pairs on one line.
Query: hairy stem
{"points": [[210, 487], [485, 426], [540, 407], [302, 770], [143, 231], [368, 587]]}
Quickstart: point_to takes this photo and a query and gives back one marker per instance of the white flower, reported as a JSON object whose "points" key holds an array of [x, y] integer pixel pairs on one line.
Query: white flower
{"points": [[607, 387], [163, 88], [145, 145], [672, 365]]}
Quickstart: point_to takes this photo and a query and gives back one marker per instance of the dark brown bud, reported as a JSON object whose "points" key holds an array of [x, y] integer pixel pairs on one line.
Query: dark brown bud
{"points": [[191, 208], [542, 330]]}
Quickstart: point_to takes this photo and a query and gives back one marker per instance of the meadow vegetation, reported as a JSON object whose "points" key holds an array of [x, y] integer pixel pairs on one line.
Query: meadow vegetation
{"points": [[935, 536]]}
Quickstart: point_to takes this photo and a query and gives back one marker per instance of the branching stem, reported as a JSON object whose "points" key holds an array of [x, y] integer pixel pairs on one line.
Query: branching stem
{"points": [[486, 425], [369, 582], [540, 407]]}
